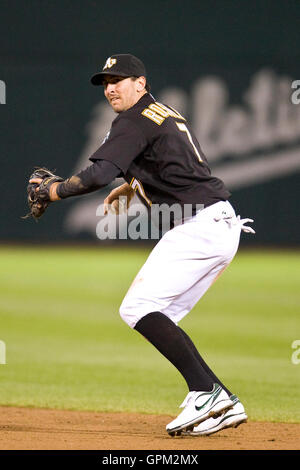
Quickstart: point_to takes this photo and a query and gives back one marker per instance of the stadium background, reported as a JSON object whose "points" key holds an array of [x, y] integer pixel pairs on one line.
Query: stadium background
{"points": [[229, 67]]}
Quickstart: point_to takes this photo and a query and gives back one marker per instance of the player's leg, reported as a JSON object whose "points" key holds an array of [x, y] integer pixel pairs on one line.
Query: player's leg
{"points": [[190, 255], [161, 329], [187, 300], [186, 256], [202, 362], [232, 417], [205, 398], [164, 334], [169, 338]]}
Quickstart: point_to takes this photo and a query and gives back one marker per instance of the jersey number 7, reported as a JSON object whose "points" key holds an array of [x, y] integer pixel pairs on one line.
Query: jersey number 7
{"points": [[182, 127]]}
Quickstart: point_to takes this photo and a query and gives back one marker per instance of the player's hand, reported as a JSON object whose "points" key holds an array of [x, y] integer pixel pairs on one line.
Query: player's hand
{"points": [[41, 191], [118, 200], [52, 189]]}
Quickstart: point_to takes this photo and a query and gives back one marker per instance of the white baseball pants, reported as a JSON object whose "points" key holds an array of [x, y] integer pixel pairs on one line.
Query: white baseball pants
{"points": [[183, 265]]}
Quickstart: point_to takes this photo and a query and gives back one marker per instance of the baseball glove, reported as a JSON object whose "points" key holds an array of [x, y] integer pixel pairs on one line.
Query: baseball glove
{"points": [[38, 201]]}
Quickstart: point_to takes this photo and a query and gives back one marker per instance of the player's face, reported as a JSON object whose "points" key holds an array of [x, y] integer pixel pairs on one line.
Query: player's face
{"points": [[122, 93]]}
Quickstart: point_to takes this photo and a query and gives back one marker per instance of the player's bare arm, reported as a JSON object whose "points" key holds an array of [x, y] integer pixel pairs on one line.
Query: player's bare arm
{"points": [[125, 190]]}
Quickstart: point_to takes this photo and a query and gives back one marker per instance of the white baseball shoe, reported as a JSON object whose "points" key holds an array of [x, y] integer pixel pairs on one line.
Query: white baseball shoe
{"points": [[198, 406], [231, 418]]}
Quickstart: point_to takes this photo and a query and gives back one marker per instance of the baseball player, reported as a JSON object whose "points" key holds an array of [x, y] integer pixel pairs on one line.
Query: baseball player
{"points": [[154, 149]]}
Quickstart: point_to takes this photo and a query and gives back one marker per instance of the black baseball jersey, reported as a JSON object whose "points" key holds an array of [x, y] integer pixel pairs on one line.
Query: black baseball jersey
{"points": [[160, 157]]}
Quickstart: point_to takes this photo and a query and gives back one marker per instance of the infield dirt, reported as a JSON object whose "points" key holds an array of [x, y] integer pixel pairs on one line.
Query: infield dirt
{"points": [[42, 429]]}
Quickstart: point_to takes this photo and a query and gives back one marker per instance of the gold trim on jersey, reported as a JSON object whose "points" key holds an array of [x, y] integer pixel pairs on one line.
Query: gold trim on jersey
{"points": [[137, 186], [169, 110], [158, 109], [182, 127]]}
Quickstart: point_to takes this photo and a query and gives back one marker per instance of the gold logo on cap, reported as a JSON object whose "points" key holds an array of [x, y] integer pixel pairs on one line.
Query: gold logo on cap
{"points": [[109, 63]]}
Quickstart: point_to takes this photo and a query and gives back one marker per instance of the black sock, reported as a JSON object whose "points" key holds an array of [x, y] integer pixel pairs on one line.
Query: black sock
{"points": [[202, 362], [164, 334]]}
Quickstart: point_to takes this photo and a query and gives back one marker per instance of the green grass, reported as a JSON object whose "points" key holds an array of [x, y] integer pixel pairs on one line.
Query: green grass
{"points": [[67, 347]]}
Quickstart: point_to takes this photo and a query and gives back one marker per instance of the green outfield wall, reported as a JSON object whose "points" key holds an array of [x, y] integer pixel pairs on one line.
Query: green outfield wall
{"points": [[230, 67]]}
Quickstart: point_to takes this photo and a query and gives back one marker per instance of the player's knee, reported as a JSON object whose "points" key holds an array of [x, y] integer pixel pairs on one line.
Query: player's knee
{"points": [[132, 310], [124, 311]]}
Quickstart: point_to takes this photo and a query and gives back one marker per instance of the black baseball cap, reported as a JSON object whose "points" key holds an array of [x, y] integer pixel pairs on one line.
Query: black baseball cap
{"points": [[122, 65]]}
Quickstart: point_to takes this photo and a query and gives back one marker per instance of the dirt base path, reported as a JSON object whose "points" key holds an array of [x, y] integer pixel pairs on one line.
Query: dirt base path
{"points": [[40, 429]]}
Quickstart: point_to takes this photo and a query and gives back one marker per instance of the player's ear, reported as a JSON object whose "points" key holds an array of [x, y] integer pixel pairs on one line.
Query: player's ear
{"points": [[140, 83]]}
